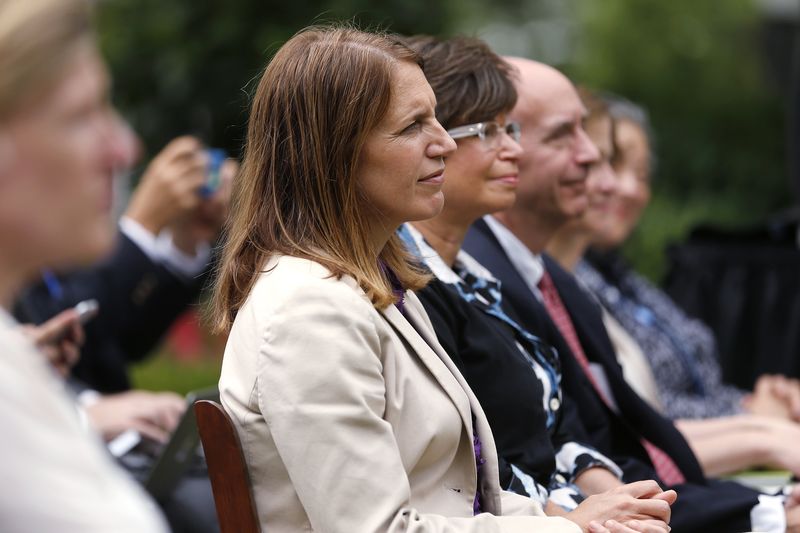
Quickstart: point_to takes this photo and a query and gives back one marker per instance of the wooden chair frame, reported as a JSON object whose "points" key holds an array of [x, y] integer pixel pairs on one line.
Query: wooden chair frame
{"points": [[230, 482]]}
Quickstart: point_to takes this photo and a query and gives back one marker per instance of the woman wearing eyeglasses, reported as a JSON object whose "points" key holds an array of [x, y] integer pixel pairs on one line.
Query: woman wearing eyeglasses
{"points": [[514, 374]]}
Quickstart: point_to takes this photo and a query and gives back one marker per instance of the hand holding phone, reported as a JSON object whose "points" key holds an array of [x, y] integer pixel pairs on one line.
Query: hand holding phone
{"points": [[87, 310], [60, 338]]}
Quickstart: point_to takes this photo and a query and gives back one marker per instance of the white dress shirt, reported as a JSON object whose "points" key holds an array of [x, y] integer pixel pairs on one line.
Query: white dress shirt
{"points": [[161, 249], [529, 265]]}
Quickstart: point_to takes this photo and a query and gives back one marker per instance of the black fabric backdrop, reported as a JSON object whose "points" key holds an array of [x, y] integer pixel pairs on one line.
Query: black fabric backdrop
{"points": [[746, 286]]}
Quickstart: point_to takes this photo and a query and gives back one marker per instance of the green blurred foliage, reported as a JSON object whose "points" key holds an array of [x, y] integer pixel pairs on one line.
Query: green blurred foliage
{"points": [[163, 371], [186, 66], [697, 66], [668, 220]]}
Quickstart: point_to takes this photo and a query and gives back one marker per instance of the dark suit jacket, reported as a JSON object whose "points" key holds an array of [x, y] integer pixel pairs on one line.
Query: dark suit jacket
{"points": [[485, 351], [138, 300], [702, 505]]}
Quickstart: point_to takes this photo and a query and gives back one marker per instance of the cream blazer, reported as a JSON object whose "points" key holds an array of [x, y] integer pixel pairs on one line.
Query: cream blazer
{"points": [[354, 420]]}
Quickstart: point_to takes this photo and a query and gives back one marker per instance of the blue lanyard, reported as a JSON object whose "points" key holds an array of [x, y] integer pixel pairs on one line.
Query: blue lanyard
{"points": [[53, 286]]}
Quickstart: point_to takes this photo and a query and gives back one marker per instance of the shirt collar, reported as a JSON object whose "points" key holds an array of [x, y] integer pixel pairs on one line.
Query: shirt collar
{"points": [[529, 265], [439, 268]]}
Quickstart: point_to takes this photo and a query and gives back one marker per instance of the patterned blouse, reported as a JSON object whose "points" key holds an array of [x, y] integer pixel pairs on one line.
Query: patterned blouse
{"points": [[682, 351], [476, 285]]}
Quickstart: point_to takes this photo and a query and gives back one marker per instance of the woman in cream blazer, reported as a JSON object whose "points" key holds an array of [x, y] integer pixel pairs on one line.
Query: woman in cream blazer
{"points": [[353, 419], [351, 416]]}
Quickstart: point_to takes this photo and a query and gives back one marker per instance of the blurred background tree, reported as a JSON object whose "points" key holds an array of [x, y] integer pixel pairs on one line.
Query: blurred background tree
{"points": [[702, 70], [188, 66], [715, 78]]}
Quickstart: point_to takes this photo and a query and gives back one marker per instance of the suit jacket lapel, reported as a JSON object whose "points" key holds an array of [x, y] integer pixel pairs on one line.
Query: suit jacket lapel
{"points": [[426, 351], [422, 339], [483, 246]]}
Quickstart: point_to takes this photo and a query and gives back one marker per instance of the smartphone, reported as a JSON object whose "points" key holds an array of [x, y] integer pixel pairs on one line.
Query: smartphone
{"points": [[87, 310], [216, 157]]}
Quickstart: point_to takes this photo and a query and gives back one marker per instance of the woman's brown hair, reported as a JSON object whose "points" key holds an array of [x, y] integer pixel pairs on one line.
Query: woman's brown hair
{"points": [[319, 98], [597, 110], [596, 107], [471, 82]]}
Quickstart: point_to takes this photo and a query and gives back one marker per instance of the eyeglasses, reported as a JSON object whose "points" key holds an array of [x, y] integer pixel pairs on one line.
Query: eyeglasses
{"points": [[487, 132]]}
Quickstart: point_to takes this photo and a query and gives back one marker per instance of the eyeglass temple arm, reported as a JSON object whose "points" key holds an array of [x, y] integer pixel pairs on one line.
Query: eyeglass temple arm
{"points": [[464, 131]]}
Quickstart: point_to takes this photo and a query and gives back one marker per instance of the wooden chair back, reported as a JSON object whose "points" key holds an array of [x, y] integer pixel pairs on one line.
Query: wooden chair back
{"points": [[230, 482]]}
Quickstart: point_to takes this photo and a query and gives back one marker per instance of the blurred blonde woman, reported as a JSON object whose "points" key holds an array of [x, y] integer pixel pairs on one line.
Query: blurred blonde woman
{"points": [[351, 415], [59, 144]]}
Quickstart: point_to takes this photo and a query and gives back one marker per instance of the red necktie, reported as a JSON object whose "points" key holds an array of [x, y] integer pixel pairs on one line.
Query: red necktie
{"points": [[665, 467]]}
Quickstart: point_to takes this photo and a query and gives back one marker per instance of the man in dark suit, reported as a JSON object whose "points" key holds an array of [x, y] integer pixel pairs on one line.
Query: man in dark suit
{"points": [[551, 191]]}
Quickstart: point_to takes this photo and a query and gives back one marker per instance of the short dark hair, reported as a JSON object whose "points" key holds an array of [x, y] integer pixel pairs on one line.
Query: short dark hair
{"points": [[471, 83]]}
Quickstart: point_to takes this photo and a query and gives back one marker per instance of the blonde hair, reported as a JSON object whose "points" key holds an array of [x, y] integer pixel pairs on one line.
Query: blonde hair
{"points": [[319, 98], [37, 40]]}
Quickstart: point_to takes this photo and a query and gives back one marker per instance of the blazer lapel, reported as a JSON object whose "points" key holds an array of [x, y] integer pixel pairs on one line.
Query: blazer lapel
{"points": [[481, 243], [426, 351], [422, 339]]}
